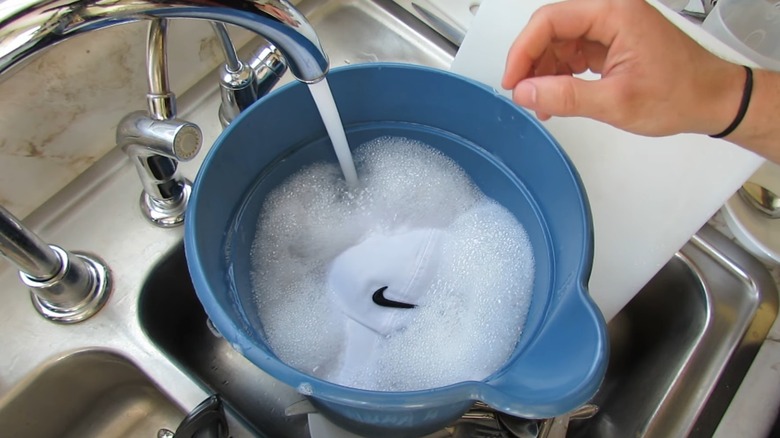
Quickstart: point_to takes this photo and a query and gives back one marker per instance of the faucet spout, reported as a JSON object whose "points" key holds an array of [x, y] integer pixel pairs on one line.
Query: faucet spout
{"points": [[28, 26], [160, 101]]}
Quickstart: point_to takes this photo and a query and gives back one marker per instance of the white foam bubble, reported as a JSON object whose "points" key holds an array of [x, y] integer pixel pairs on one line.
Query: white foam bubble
{"points": [[305, 388], [469, 321]]}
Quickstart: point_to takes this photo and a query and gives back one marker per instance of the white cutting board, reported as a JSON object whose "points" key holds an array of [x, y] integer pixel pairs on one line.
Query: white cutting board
{"points": [[648, 195]]}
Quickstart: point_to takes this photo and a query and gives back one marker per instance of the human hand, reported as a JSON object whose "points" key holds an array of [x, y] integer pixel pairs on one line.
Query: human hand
{"points": [[655, 80]]}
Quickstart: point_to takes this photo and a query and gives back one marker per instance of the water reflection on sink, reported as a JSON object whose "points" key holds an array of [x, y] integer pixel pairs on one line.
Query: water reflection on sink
{"points": [[91, 393], [679, 349]]}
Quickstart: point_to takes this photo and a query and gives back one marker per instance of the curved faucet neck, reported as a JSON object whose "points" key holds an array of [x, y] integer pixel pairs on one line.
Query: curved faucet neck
{"points": [[28, 26]]}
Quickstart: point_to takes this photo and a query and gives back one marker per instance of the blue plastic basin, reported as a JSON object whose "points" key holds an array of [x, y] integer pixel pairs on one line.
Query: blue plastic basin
{"points": [[561, 356]]}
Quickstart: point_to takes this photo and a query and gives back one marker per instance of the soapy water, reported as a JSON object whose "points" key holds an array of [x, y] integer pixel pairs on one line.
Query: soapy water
{"points": [[464, 328]]}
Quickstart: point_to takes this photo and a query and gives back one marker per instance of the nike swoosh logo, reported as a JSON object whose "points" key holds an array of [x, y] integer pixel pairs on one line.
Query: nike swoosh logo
{"points": [[379, 299]]}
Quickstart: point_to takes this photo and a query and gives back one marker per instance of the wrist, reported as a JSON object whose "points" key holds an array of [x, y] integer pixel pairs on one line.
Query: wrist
{"points": [[759, 130]]}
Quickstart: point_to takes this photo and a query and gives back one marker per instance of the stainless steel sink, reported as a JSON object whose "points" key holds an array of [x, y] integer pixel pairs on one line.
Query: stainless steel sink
{"points": [[679, 350], [681, 347], [174, 319], [90, 393]]}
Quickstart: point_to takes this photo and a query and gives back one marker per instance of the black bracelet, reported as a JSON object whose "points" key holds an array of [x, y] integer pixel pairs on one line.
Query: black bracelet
{"points": [[743, 106]]}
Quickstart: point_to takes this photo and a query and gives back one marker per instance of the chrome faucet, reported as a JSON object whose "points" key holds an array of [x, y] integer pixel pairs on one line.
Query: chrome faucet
{"points": [[28, 26], [65, 287], [156, 140]]}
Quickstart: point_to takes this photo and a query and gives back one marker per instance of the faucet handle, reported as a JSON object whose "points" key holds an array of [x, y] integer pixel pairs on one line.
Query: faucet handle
{"points": [[155, 147], [173, 138]]}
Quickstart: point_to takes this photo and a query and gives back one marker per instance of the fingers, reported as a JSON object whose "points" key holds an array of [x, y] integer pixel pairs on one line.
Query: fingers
{"points": [[594, 54], [563, 96], [646, 67], [571, 20], [547, 64]]}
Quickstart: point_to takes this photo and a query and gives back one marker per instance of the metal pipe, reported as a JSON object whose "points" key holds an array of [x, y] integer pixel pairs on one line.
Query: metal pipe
{"points": [[232, 63], [162, 103], [65, 287], [26, 250]]}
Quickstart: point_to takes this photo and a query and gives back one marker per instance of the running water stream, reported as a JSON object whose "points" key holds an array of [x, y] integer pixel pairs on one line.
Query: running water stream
{"points": [[323, 97]]}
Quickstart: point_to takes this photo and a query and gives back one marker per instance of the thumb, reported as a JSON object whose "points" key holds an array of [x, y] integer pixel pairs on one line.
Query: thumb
{"points": [[562, 96]]}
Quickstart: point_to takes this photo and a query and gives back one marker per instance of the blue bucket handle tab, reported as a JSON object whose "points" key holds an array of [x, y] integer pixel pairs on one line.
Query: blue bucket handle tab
{"points": [[561, 368]]}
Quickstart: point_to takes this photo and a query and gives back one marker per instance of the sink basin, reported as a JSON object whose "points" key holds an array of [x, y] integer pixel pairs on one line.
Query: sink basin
{"points": [[90, 393], [678, 350], [681, 347], [174, 319]]}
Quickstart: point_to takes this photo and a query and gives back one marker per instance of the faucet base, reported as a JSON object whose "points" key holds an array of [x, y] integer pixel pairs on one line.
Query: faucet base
{"points": [[167, 214], [95, 274]]}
